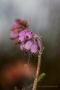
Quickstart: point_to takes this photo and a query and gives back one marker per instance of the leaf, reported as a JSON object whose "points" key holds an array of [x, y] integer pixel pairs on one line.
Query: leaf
{"points": [[41, 77]]}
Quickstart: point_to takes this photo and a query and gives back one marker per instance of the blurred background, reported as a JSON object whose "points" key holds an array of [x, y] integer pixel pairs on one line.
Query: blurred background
{"points": [[43, 17]]}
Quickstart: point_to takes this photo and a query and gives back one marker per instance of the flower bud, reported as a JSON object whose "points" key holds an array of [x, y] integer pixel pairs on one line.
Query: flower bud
{"points": [[15, 26], [13, 35]]}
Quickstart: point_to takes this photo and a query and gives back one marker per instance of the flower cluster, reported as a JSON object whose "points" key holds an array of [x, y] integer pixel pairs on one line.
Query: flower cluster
{"points": [[21, 34]]}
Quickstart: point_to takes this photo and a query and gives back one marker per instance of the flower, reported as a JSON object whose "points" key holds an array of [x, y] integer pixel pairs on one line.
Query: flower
{"points": [[15, 26], [22, 46], [13, 35], [22, 22], [28, 35], [34, 48], [22, 35], [28, 45]]}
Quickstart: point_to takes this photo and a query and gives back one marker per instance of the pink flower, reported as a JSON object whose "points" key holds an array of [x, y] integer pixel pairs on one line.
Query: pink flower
{"points": [[13, 35], [22, 46], [28, 35], [28, 45], [22, 35], [34, 48], [15, 26]]}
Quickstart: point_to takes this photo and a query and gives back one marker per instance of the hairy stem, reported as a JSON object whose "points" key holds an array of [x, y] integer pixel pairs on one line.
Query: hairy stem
{"points": [[37, 72]]}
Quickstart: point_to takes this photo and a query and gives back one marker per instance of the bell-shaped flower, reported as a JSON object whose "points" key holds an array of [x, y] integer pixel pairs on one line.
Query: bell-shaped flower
{"points": [[28, 45], [34, 48], [13, 35], [22, 35], [28, 35], [22, 46]]}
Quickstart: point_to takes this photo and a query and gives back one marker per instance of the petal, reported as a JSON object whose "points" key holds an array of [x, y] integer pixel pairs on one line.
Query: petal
{"points": [[28, 45], [13, 35], [34, 48], [23, 32], [21, 38]]}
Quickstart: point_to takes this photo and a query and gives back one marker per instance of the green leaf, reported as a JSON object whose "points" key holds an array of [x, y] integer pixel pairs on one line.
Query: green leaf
{"points": [[41, 77]]}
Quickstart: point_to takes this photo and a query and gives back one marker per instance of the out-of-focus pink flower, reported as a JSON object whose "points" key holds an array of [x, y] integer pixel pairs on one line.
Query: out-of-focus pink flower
{"points": [[22, 46], [34, 48], [28, 35], [15, 26], [13, 35], [28, 45]]}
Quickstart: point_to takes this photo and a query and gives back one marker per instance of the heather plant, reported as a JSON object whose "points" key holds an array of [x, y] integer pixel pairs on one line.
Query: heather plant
{"points": [[30, 43]]}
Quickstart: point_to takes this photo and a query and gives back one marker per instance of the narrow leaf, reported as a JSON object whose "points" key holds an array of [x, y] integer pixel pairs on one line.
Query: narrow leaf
{"points": [[41, 77]]}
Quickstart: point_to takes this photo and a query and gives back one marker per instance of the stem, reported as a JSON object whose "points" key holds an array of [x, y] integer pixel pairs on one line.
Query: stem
{"points": [[28, 59], [37, 72]]}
